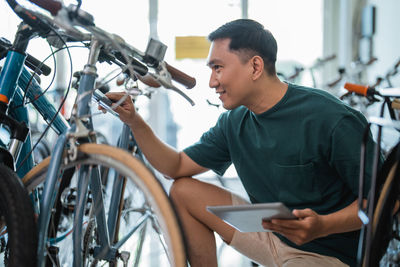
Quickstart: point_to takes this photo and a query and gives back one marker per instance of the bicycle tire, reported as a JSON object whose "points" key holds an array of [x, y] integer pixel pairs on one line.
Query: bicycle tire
{"points": [[384, 217], [385, 211], [18, 222], [142, 178]]}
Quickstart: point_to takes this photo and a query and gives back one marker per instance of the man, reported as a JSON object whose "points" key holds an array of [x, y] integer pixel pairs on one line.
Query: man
{"points": [[288, 143]]}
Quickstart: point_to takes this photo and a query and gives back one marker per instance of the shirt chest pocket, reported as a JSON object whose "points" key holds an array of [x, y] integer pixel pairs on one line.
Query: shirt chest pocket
{"points": [[297, 184]]}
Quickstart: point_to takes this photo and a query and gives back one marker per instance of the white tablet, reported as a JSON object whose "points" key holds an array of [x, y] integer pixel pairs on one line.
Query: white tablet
{"points": [[248, 218]]}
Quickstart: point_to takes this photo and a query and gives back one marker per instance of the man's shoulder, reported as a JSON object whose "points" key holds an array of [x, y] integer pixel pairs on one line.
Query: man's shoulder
{"points": [[324, 105], [315, 93], [318, 98]]}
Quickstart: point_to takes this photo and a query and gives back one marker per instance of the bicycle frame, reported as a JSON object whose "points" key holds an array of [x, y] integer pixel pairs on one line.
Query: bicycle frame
{"points": [[80, 129], [14, 81]]}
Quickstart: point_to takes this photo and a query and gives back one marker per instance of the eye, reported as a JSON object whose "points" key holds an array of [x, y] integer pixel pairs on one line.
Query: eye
{"points": [[217, 67]]}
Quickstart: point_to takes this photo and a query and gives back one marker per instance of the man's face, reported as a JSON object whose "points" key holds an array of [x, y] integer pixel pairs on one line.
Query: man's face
{"points": [[230, 77]]}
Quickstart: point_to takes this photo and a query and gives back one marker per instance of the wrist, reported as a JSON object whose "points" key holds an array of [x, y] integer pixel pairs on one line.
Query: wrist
{"points": [[136, 122], [326, 226]]}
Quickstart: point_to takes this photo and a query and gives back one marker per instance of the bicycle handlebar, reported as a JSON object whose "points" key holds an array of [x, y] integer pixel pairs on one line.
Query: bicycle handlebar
{"points": [[31, 62], [149, 80], [52, 6], [37, 66], [321, 61], [357, 88], [328, 58], [370, 92], [70, 18], [181, 77]]}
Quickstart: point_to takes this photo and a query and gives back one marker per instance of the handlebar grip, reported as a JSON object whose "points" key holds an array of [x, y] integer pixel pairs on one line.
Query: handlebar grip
{"points": [[181, 77], [50, 5], [150, 81], [33, 63], [30, 61], [357, 88]]}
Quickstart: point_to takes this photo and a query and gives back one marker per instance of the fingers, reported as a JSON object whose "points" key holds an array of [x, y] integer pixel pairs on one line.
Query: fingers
{"points": [[101, 109], [295, 235], [292, 230], [118, 109], [299, 231], [115, 96], [279, 225], [303, 213]]}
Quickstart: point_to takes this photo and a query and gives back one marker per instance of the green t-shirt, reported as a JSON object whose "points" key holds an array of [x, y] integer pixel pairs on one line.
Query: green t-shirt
{"points": [[304, 152]]}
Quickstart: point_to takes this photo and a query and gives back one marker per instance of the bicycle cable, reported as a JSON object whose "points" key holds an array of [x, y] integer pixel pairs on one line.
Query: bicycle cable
{"points": [[59, 108], [33, 76], [45, 91]]}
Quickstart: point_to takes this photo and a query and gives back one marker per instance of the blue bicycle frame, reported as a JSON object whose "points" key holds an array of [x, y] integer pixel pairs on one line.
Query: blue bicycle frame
{"points": [[14, 80]]}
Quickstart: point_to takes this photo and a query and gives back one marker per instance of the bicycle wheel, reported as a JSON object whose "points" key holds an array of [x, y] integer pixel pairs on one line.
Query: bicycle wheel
{"points": [[18, 238], [385, 245], [144, 206]]}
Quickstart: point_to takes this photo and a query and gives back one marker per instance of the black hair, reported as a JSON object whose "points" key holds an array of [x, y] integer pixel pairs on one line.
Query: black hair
{"points": [[250, 38]]}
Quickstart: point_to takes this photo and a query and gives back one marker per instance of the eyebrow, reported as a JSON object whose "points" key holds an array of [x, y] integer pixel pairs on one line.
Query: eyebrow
{"points": [[213, 62]]}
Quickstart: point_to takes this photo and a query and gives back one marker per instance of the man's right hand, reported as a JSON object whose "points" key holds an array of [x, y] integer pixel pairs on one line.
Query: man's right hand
{"points": [[126, 109]]}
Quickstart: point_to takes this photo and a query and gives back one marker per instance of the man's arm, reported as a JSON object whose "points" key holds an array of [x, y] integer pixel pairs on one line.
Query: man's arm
{"points": [[311, 225], [161, 156]]}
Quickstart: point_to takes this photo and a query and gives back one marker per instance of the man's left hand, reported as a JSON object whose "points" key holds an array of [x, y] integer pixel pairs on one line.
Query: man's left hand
{"points": [[307, 227]]}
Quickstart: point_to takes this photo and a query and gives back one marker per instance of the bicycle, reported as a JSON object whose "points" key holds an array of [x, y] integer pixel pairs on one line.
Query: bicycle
{"points": [[379, 241], [369, 104], [18, 239], [355, 73], [74, 151]]}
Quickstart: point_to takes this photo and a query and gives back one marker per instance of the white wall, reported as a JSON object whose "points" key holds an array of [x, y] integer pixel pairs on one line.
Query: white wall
{"points": [[386, 39]]}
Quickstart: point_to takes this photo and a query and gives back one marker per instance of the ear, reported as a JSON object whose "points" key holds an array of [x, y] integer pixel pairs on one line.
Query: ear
{"points": [[258, 67]]}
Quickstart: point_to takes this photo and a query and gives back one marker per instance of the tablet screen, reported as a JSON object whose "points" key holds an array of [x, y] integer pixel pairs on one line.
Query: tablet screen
{"points": [[248, 218]]}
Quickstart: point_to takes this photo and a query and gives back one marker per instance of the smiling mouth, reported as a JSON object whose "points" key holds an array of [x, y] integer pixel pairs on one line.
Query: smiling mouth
{"points": [[221, 92]]}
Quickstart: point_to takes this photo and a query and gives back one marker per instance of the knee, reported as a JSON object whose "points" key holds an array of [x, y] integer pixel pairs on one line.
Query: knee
{"points": [[180, 188]]}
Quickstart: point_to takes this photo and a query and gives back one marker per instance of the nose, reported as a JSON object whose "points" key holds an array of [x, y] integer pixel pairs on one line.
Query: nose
{"points": [[213, 83]]}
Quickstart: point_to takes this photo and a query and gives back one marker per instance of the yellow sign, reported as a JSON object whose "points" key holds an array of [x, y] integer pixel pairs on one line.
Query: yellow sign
{"points": [[191, 47]]}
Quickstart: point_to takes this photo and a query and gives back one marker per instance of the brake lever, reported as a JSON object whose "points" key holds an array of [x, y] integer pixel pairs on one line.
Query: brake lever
{"points": [[164, 78], [104, 102]]}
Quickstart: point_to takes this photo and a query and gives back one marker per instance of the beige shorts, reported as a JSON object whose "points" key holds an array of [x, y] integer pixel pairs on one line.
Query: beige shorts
{"points": [[267, 249]]}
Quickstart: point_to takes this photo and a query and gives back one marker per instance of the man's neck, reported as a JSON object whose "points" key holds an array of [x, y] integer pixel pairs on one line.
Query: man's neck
{"points": [[270, 90]]}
